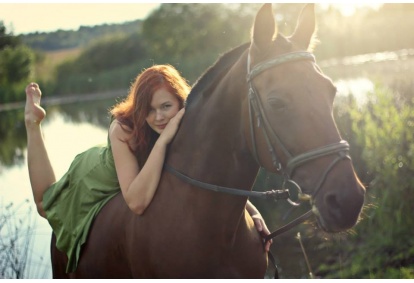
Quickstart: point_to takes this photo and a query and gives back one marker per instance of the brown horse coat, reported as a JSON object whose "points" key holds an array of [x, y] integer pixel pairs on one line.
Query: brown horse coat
{"points": [[188, 232]]}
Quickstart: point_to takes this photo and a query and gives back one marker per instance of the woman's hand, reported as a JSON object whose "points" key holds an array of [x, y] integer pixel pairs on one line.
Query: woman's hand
{"points": [[259, 223], [262, 228], [171, 129]]}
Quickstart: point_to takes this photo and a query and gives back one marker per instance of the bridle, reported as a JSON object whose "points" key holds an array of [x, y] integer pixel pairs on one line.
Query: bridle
{"points": [[341, 148], [256, 110]]}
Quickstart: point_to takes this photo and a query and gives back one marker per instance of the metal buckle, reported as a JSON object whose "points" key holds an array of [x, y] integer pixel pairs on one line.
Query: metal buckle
{"points": [[300, 196]]}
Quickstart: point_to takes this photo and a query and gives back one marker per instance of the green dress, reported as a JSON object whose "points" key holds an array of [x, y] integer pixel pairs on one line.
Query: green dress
{"points": [[72, 203]]}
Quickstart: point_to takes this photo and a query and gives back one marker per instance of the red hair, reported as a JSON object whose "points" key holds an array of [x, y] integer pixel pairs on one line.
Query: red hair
{"points": [[134, 109]]}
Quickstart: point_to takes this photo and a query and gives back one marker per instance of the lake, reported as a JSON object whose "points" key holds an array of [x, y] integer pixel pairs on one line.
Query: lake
{"points": [[73, 127], [68, 130]]}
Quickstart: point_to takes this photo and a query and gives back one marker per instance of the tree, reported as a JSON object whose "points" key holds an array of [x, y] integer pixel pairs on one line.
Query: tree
{"points": [[16, 64], [7, 40], [192, 36]]}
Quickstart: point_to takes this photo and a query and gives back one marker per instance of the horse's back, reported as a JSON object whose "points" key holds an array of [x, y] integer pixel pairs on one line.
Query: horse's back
{"points": [[165, 243], [103, 255]]}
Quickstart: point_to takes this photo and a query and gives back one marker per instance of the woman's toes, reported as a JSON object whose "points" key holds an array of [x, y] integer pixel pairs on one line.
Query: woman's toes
{"points": [[34, 113], [34, 91]]}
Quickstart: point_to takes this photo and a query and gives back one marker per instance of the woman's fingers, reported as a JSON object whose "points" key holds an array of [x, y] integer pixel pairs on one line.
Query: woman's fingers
{"points": [[172, 126]]}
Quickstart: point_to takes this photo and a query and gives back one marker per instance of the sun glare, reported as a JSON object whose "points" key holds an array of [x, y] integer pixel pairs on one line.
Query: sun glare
{"points": [[348, 9]]}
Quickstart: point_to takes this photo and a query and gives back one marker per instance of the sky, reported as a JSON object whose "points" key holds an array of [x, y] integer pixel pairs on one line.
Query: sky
{"points": [[47, 16], [21, 18]]}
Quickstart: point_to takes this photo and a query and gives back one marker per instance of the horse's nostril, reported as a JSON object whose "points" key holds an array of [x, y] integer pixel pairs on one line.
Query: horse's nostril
{"points": [[332, 203]]}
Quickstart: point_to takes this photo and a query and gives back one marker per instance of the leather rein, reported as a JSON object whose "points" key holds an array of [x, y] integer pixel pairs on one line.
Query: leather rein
{"points": [[256, 111]]}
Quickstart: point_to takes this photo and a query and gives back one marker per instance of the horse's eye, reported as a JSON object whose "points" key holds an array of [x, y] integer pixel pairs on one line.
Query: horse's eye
{"points": [[277, 103]]}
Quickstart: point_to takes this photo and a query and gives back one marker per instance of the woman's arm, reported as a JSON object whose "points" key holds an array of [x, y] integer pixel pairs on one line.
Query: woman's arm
{"points": [[138, 186]]}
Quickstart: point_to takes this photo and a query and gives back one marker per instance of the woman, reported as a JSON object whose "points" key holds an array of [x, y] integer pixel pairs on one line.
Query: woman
{"points": [[131, 161]]}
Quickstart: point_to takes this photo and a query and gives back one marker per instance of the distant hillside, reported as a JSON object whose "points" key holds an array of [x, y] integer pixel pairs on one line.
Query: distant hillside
{"points": [[68, 39]]}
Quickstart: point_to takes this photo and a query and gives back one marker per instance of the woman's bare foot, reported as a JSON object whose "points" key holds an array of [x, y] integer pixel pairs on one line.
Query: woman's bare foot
{"points": [[33, 112]]}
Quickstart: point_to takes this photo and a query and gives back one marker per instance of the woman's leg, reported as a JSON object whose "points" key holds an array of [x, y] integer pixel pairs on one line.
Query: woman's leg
{"points": [[40, 169]]}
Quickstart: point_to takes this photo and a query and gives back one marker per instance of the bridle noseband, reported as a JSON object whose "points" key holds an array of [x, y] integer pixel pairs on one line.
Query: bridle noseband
{"points": [[256, 110]]}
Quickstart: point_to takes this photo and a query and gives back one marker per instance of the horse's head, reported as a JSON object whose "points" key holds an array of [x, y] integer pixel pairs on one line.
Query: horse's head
{"points": [[290, 105]]}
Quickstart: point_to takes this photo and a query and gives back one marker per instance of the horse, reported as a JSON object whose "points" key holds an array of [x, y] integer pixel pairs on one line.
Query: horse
{"points": [[264, 104]]}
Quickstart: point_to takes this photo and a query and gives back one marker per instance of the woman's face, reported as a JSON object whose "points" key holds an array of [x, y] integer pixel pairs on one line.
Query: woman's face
{"points": [[164, 106]]}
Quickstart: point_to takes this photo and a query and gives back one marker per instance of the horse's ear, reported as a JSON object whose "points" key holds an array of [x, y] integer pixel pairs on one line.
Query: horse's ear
{"points": [[305, 27], [264, 28]]}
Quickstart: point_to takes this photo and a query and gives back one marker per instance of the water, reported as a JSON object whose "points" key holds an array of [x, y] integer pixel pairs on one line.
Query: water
{"points": [[68, 130], [72, 128]]}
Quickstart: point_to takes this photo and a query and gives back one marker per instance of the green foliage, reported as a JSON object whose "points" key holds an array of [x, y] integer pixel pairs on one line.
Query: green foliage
{"points": [[16, 66], [7, 40], [109, 64], [104, 55], [388, 127], [343, 109], [188, 36], [66, 39], [382, 246], [188, 30], [192, 36]]}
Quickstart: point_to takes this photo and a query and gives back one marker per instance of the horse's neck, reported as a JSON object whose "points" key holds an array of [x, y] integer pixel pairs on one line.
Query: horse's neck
{"points": [[211, 145]]}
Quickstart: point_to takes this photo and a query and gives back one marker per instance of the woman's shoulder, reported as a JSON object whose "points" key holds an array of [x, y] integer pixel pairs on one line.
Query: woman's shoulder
{"points": [[118, 130]]}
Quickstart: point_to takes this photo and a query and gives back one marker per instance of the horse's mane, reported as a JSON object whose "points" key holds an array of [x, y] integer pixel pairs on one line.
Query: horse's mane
{"points": [[224, 62]]}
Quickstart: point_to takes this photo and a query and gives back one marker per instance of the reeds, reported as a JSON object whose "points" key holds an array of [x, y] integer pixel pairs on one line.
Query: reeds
{"points": [[17, 230]]}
